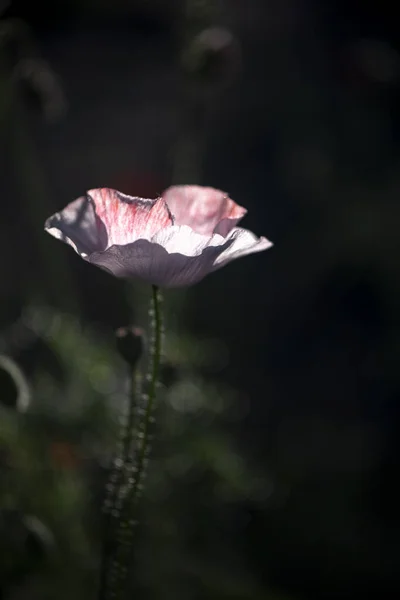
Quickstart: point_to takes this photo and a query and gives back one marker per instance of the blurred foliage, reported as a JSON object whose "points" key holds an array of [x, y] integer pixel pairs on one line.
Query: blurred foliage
{"points": [[53, 462]]}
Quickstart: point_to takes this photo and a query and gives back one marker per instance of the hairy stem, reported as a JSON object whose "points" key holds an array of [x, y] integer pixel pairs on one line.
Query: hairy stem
{"points": [[149, 399], [126, 479]]}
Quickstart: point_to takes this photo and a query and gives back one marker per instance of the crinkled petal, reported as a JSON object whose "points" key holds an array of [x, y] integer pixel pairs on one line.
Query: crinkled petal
{"points": [[78, 226], [204, 209], [136, 238], [243, 242], [127, 218], [175, 257]]}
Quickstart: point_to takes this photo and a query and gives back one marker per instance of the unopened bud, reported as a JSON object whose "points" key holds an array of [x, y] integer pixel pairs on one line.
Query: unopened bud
{"points": [[130, 344], [213, 57]]}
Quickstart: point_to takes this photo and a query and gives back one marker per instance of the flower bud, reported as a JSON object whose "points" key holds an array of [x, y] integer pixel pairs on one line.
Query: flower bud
{"points": [[130, 344], [213, 57]]}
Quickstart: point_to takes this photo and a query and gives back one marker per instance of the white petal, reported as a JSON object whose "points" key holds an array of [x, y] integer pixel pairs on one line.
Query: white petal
{"points": [[243, 242], [184, 240]]}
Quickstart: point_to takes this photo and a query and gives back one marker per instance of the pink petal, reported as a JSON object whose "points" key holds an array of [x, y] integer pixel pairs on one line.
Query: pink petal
{"points": [[204, 209], [127, 218]]}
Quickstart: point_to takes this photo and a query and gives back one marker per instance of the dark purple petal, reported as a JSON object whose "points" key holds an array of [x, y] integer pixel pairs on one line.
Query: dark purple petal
{"points": [[150, 262]]}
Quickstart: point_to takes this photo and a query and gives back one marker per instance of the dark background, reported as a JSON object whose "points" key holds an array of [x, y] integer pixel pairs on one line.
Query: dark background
{"points": [[275, 471]]}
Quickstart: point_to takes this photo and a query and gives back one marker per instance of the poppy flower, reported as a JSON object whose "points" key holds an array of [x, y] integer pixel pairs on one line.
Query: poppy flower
{"points": [[171, 241]]}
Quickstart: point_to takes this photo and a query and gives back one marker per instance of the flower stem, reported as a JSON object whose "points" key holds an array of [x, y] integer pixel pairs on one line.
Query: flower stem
{"points": [[126, 483], [149, 400]]}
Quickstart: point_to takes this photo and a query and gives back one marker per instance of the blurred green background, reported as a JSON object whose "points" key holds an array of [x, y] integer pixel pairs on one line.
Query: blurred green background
{"points": [[276, 454]]}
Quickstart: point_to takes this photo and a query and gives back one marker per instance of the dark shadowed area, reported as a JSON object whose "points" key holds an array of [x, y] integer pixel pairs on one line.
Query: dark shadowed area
{"points": [[276, 445]]}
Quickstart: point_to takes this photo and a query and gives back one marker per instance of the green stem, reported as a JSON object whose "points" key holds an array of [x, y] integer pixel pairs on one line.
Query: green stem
{"points": [[128, 481], [149, 400]]}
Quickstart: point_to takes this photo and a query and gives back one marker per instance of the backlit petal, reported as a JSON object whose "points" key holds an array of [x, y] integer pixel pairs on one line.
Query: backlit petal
{"points": [[127, 218], [243, 242], [204, 209], [78, 226]]}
